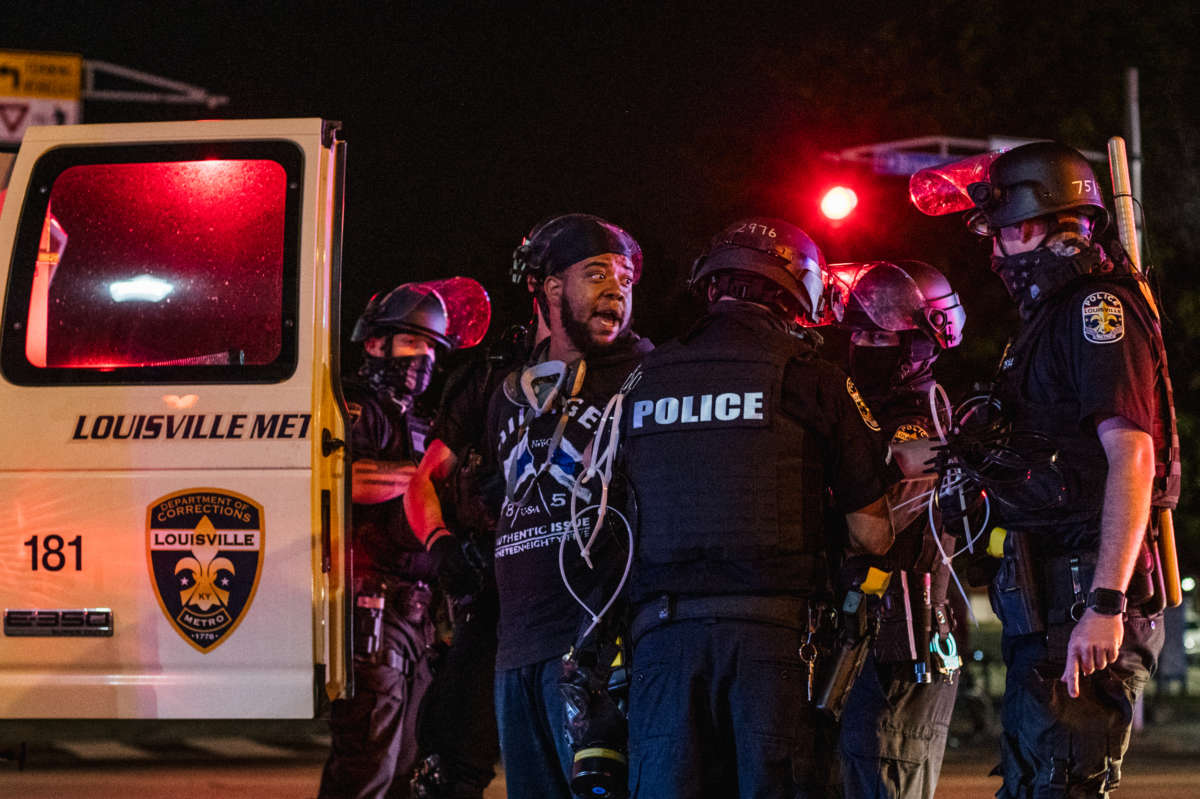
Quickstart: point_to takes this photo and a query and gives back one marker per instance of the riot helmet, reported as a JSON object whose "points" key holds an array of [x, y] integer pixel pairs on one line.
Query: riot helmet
{"points": [[560, 241], [454, 313], [767, 261], [1034, 180], [882, 296], [901, 315]]}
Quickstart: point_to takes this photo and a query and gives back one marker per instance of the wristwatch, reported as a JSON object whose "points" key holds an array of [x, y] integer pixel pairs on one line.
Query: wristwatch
{"points": [[1106, 601]]}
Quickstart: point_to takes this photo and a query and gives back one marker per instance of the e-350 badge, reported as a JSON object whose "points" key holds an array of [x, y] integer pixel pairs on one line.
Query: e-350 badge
{"points": [[205, 552]]}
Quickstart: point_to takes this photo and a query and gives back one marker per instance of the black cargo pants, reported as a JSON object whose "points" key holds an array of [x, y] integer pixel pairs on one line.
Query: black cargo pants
{"points": [[374, 740]]}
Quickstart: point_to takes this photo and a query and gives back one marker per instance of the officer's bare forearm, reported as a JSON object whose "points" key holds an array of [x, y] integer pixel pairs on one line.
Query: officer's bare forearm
{"points": [[372, 481], [1127, 489], [422, 507], [870, 528]]}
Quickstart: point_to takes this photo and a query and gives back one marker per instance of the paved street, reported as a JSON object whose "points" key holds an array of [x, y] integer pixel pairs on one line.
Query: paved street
{"points": [[1161, 780], [241, 767]]}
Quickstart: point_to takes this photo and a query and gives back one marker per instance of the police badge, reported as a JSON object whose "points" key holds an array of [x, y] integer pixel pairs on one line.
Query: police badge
{"points": [[1103, 318], [910, 431], [205, 553]]}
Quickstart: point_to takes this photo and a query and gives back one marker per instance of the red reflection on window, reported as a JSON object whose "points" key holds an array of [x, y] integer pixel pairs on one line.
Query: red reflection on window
{"points": [[163, 264], [50, 249]]}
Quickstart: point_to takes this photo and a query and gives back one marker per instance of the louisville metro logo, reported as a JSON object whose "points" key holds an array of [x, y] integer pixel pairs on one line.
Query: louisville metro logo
{"points": [[1103, 318], [205, 552]]}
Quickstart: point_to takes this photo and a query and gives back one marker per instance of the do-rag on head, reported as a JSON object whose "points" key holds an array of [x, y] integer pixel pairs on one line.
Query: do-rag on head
{"points": [[558, 242]]}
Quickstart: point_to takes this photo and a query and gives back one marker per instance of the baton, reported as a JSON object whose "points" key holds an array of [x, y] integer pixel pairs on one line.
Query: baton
{"points": [[1127, 231]]}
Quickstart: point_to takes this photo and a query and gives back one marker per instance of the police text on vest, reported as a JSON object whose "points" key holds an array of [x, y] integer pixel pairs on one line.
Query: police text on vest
{"points": [[703, 408]]}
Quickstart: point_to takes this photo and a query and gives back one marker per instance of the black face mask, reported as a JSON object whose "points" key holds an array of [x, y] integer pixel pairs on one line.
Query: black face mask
{"points": [[873, 369], [1031, 277], [879, 372], [400, 380]]}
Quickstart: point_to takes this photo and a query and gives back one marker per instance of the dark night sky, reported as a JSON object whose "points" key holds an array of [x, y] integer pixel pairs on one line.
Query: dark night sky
{"points": [[469, 122]]}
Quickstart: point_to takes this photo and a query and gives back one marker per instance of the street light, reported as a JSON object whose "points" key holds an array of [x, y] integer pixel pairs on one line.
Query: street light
{"points": [[838, 202]]}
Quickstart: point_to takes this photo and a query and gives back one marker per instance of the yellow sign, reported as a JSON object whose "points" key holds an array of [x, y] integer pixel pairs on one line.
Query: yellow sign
{"points": [[46, 75]]}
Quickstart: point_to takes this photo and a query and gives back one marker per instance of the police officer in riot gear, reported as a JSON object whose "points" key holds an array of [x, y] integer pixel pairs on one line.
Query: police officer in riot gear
{"points": [[374, 743], [894, 724], [733, 439], [1085, 380], [540, 427]]}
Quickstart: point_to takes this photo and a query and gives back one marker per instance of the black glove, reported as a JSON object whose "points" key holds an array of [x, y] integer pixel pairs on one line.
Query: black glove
{"points": [[455, 574]]}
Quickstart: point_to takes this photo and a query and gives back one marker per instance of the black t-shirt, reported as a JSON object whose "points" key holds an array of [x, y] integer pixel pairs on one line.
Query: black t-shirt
{"points": [[538, 617], [383, 541], [1086, 356]]}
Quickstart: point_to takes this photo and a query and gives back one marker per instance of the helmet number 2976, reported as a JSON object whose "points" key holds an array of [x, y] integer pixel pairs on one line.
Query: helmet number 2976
{"points": [[756, 228]]}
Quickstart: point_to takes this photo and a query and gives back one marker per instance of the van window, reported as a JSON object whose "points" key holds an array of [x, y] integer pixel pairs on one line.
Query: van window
{"points": [[132, 270]]}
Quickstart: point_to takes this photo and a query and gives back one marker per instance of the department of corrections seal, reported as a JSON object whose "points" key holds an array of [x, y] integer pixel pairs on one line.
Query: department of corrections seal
{"points": [[863, 410], [204, 547], [1103, 318]]}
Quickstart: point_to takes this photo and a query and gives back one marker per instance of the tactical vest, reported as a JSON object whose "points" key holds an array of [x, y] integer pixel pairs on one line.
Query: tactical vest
{"points": [[727, 500]]}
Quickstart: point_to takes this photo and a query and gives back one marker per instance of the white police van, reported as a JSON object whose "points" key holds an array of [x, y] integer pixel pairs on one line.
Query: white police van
{"points": [[172, 493]]}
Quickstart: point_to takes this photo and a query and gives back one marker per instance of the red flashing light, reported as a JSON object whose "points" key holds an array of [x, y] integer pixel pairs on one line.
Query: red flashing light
{"points": [[838, 202]]}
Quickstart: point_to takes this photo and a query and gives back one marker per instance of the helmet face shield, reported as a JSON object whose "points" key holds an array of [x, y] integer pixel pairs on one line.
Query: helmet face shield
{"points": [[468, 309], [942, 190], [885, 297], [453, 313], [880, 296]]}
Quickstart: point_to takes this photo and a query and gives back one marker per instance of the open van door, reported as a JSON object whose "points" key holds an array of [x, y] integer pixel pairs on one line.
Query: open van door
{"points": [[172, 493]]}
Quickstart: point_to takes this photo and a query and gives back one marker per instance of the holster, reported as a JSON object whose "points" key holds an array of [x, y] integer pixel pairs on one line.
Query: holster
{"points": [[896, 640], [837, 670], [1147, 586], [1067, 578], [372, 594], [368, 624], [1016, 590]]}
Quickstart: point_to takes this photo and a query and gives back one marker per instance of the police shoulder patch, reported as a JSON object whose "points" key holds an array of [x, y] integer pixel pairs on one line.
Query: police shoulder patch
{"points": [[1103, 318], [910, 431], [863, 410]]}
